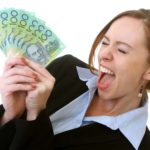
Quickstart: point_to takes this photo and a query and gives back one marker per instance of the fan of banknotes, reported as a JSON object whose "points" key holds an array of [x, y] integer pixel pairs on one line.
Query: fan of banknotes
{"points": [[22, 33]]}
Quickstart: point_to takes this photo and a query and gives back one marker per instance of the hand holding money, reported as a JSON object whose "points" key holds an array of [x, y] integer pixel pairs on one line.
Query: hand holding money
{"points": [[21, 33], [36, 99], [14, 85]]}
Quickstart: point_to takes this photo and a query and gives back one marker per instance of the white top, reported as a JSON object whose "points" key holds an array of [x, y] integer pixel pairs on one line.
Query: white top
{"points": [[131, 124]]}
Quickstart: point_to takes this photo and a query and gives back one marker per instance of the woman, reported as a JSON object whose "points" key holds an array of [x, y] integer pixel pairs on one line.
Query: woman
{"points": [[71, 107]]}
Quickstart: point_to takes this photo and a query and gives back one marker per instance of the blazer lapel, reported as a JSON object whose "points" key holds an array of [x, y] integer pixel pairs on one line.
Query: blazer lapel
{"points": [[93, 133]]}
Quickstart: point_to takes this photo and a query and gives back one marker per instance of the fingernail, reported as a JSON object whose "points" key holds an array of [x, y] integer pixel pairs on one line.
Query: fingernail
{"points": [[23, 60], [33, 86], [35, 77]]}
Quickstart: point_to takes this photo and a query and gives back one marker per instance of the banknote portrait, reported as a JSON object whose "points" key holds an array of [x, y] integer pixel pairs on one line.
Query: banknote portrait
{"points": [[37, 53]]}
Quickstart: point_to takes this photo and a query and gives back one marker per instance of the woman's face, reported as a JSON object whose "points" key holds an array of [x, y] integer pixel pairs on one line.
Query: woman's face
{"points": [[123, 59]]}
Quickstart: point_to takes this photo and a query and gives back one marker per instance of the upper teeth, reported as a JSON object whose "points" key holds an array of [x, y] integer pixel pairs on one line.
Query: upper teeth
{"points": [[105, 70]]}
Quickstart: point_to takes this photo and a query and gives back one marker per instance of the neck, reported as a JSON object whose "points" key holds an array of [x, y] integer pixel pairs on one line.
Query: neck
{"points": [[112, 107]]}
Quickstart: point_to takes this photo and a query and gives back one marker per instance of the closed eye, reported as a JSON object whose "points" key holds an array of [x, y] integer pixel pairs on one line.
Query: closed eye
{"points": [[122, 51], [104, 43]]}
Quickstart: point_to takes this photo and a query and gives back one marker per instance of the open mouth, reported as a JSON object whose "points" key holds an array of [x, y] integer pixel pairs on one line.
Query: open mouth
{"points": [[106, 78]]}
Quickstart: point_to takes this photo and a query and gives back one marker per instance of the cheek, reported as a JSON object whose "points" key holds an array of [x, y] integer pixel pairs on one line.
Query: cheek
{"points": [[98, 57], [130, 75]]}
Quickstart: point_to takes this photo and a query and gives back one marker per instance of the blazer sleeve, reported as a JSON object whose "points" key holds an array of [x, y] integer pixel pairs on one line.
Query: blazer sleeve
{"points": [[30, 135], [20, 134], [6, 132]]}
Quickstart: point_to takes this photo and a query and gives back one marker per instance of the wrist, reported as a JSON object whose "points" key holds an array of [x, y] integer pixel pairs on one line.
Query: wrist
{"points": [[6, 118], [32, 115]]}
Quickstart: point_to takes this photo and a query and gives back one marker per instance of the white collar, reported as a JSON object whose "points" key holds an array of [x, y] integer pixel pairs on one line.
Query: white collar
{"points": [[132, 124]]}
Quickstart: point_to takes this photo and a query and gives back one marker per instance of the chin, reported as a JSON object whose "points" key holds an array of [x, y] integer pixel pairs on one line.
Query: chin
{"points": [[107, 94]]}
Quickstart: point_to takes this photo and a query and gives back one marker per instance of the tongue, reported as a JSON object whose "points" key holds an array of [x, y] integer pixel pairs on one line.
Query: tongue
{"points": [[106, 81]]}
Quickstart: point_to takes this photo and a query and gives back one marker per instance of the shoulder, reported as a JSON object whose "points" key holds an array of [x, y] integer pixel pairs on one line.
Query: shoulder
{"points": [[68, 58], [68, 86], [64, 70], [65, 64]]}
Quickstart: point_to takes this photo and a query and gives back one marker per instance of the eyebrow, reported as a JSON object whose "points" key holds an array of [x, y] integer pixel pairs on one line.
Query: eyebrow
{"points": [[119, 42]]}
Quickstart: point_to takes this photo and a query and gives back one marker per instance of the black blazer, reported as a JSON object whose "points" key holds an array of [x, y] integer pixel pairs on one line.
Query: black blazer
{"points": [[20, 134]]}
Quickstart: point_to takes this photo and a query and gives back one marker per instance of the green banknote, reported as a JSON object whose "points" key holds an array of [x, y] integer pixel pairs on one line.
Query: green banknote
{"points": [[22, 33]]}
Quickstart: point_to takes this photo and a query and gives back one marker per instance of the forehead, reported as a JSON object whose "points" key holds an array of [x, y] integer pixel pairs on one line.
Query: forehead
{"points": [[127, 29]]}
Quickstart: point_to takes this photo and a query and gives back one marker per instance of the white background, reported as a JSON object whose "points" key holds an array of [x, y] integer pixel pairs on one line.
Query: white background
{"points": [[76, 22]]}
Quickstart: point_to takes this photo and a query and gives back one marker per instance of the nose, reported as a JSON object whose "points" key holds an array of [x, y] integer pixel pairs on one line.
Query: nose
{"points": [[106, 55]]}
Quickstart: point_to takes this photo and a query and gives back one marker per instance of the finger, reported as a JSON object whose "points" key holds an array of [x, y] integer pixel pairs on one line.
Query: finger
{"points": [[38, 68], [18, 87], [14, 61], [19, 79], [45, 79], [24, 71]]}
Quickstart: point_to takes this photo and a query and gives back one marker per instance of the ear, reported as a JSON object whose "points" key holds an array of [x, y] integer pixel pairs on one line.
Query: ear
{"points": [[146, 75]]}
